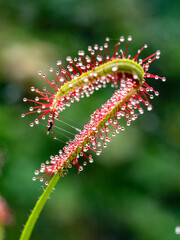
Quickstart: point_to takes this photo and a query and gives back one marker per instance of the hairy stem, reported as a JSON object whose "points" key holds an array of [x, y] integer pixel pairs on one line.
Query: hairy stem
{"points": [[26, 233]]}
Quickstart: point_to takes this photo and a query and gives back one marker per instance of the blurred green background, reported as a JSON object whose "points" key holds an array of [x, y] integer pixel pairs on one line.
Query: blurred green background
{"points": [[130, 192]]}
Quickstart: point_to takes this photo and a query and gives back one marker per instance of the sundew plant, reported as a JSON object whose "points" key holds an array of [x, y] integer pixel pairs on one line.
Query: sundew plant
{"points": [[131, 78]]}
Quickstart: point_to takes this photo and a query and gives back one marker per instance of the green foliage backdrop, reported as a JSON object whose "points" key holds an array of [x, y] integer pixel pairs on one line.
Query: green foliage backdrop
{"points": [[130, 192]]}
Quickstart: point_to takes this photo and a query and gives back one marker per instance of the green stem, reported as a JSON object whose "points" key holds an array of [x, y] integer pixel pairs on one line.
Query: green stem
{"points": [[26, 233]]}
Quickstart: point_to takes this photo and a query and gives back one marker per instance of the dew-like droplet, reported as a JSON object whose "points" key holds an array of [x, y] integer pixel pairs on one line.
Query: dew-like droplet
{"points": [[36, 172], [96, 47], [146, 103], [99, 58], [68, 58], [80, 168], [108, 139], [114, 69], [135, 76], [105, 45], [86, 80], [158, 52], [140, 61], [129, 38], [177, 230], [121, 39], [149, 108], [59, 62], [91, 160], [128, 123], [81, 53]]}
